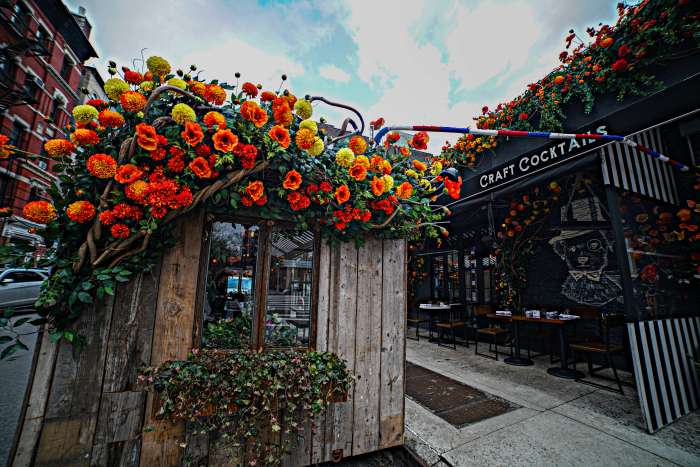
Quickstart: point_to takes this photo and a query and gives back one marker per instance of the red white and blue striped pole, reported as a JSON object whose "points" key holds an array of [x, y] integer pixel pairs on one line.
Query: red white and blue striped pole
{"points": [[535, 134]]}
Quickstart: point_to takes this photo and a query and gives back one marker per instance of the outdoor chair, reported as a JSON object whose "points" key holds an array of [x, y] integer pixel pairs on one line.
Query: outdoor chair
{"points": [[605, 347], [415, 319], [490, 332], [455, 320]]}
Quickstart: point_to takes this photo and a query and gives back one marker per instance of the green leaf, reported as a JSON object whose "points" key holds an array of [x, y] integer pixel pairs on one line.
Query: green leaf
{"points": [[21, 321], [109, 290], [9, 312], [84, 297], [5, 339], [9, 351]]}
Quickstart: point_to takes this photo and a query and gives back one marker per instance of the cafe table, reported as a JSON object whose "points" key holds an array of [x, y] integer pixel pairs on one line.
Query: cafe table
{"points": [[561, 371], [438, 309]]}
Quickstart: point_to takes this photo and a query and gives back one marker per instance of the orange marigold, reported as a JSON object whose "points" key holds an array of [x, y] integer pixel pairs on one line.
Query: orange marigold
{"points": [[215, 94], [248, 109], [377, 186], [6, 149], [419, 166], [84, 137], [41, 212], [224, 140], [128, 173], [192, 134], [214, 118], [80, 211], [342, 194], [268, 96], [404, 191], [200, 167], [101, 165], [358, 144], [259, 117], [197, 87], [110, 118], [136, 191], [281, 135], [292, 181], [305, 138], [132, 101], [250, 89], [358, 172], [59, 147], [146, 137], [255, 190]]}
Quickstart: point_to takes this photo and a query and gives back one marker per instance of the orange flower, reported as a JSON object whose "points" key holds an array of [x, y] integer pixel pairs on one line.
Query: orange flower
{"points": [[282, 111], [393, 137], [558, 79], [281, 135], [6, 150], [214, 118], [200, 167], [684, 215], [607, 42], [59, 147], [41, 212], [192, 133], [128, 173], [358, 145], [259, 117], [146, 137], [80, 211], [419, 166], [224, 140], [342, 194], [358, 172], [136, 190], [376, 164], [377, 186], [248, 109], [84, 137], [215, 94], [132, 101], [305, 138], [404, 191], [110, 118], [292, 181], [102, 165], [197, 87], [255, 190]]}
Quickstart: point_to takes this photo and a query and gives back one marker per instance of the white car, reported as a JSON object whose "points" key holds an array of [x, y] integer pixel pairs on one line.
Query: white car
{"points": [[19, 288]]}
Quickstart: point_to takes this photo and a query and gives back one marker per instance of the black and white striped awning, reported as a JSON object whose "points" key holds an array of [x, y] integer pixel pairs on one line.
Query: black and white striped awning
{"points": [[664, 352], [630, 170]]}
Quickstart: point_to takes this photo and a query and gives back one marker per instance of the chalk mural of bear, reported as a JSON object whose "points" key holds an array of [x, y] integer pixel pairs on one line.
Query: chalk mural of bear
{"points": [[586, 255]]}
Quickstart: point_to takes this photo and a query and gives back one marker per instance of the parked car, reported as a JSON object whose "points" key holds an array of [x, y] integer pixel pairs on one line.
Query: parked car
{"points": [[19, 288]]}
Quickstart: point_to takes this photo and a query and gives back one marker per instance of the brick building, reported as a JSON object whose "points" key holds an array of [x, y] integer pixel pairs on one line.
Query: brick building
{"points": [[43, 48]]}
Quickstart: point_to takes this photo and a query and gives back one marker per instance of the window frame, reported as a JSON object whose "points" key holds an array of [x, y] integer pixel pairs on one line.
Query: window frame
{"points": [[260, 291]]}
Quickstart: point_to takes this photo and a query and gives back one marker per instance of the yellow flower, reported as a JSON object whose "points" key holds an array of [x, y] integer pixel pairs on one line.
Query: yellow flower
{"points": [[158, 65], [388, 182], [412, 174], [178, 83], [183, 113], [363, 161], [309, 125], [317, 147], [146, 86], [303, 108], [426, 185], [436, 168], [115, 87], [84, 113], [345, 157]]}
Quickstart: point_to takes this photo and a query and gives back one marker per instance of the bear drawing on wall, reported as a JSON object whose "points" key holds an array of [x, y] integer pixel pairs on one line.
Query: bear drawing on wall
{"points": [[586, 255]]}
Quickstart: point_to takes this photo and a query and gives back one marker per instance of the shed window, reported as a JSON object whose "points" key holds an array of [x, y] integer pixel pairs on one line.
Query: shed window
{"points": [[258, 286]]}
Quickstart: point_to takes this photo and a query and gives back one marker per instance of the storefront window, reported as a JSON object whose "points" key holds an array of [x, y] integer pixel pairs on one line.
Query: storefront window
{"points": [[453, 276]]}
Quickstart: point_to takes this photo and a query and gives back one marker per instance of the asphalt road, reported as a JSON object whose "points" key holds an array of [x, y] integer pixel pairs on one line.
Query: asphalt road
{"points": [[14, 375]]}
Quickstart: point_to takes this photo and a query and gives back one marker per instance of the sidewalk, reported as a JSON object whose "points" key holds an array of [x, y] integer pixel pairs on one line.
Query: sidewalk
{"points": [[559, 422]]}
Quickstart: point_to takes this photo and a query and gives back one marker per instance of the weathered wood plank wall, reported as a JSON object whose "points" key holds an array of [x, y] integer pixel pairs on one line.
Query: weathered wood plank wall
{"points": [[85, 407]]}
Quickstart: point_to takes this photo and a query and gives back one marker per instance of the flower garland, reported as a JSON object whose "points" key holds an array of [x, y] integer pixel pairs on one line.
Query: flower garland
{"points": [[621, 59]]}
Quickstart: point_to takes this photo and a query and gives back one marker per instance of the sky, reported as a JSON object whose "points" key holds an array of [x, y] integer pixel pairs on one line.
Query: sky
{"points": [[413, 62]]}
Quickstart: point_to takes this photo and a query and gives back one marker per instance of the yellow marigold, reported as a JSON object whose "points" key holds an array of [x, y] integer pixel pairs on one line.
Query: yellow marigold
{"points": [[317, 148], [214, 118], [436, 168], [41, 212], [111, 118], [102, 166], [115, 87], [183, 113], [132, 101], [357, 144], [388, 182], [158, 65], [84, 113], [345, 157], [80, 211], [412, 174], [304, 138], [178, 83], [59, 147], [303, 108], [309, 125], [363, 161], [147, 86], [426, 185]]}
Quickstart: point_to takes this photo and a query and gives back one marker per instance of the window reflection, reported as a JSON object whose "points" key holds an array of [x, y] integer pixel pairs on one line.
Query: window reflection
{"points": [[288, 310], [230, 291]]}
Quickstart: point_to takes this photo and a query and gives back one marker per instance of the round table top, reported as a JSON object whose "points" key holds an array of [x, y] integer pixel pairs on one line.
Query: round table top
{"points": [[430, 306]]}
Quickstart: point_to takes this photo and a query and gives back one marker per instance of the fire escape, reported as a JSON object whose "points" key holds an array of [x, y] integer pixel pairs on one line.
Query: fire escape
{"points": [[20, 42]]}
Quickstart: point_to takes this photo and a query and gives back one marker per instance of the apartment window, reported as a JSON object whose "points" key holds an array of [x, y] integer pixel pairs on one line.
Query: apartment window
{"points": [[258, 286], [20, 16], [56, 107], [42, 37], [31, 88], [7, 72], [66, 67], [17, 135]]}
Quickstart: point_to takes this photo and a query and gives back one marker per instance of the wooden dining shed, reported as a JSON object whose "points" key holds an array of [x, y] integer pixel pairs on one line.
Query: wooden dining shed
{"points": [[84, 406]]}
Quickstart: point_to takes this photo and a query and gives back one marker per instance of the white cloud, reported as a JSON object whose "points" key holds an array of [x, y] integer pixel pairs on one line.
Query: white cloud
{"points": [[334, 73]]}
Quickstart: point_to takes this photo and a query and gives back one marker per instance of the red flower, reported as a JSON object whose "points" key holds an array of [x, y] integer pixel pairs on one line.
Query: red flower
{"points": [[250, 89], [325, 187], [268, 96], [248, 154], [620, 65], [292, 181], [200, 167], [176, 164], [393, 137], [623, 50], [649, 274], [255, 190], [192, 134], [342, 194], [484, 110], [132, 77], [120, 231], [146, 136], [298, 201], [420, 140], [377, 124], [523, 116], [128, 173]]}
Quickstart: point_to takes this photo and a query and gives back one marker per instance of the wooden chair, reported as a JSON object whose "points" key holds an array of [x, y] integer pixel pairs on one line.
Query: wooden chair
{"points": [[490, 332], [415, 320], [603, 346], [455, 320]]}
